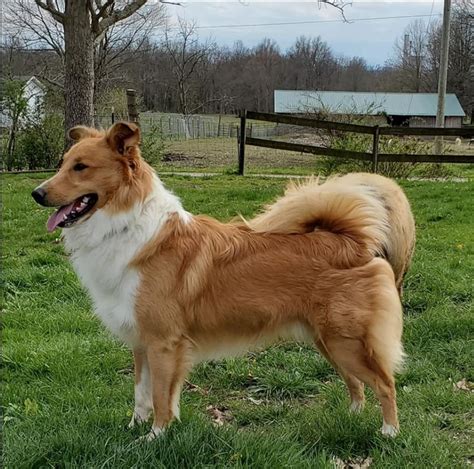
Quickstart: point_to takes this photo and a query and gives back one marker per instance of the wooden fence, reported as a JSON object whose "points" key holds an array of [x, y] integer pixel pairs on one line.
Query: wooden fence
{"points": [[376, 131]]}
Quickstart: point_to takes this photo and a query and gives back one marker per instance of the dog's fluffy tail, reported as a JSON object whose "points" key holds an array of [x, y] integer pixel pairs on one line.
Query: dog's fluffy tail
{"points": [[351, 211]]}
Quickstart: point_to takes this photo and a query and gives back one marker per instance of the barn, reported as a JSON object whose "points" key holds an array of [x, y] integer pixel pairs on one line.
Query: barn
{"points": [[397, 109]]}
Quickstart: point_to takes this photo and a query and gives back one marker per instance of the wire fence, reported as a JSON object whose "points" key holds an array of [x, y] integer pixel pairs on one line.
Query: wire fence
{"points": [[179, 127]]}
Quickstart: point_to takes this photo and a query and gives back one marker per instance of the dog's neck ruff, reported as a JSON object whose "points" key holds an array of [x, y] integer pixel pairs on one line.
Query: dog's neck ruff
{"points": [[102, 248], [141, 223]]}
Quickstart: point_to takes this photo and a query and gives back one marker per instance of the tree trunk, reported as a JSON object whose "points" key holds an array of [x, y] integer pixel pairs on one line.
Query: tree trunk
{"points": [[79, 65], [11, 146]]}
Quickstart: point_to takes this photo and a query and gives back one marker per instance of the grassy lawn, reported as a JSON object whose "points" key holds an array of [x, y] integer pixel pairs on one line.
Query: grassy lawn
{"points": [[68, 386]]}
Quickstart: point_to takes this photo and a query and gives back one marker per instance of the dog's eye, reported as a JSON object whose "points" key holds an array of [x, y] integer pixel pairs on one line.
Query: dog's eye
{"points": [[79, 167]]}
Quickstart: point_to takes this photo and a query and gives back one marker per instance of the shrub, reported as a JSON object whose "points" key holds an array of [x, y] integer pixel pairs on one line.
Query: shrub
{"points": [[153, 144], [364, 143], [40, 143]]}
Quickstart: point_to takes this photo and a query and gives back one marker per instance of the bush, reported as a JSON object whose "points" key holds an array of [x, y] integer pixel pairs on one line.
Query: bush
{"points": [[364, 143], [345, 141], [153, 144], [40, 143]]}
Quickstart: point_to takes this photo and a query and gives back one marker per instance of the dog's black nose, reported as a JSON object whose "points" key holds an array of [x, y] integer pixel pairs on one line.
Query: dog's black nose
{"points": [[39, 195]]}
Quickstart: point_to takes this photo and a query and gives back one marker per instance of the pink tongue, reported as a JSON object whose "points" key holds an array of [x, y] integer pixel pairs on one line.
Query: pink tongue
{"points": [[57, 217]]}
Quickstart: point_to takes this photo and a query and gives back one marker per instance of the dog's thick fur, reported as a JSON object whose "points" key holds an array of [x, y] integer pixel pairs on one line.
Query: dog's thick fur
{"points": [[180, 289], [376, 205]]}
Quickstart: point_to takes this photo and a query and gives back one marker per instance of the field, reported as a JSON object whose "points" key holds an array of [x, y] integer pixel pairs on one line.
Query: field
{"points": [[220, 155], [68, 386], [206, 151]]}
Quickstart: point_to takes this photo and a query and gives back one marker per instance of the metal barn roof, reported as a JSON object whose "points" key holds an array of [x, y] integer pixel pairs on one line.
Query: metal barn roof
{"points": [[352, 102]]}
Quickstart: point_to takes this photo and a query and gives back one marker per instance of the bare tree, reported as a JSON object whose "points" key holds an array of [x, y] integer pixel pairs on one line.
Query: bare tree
{"points": [[313, 63], [265, 66], [416, 61], [461, 54], [187, 56], [124, 44], [76, 30], [411, 57]]}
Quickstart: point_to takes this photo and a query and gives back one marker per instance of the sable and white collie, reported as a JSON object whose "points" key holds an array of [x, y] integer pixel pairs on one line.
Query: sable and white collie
{"points": [[179, 288]]}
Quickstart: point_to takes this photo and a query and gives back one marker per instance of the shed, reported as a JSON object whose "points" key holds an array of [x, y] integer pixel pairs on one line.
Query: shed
{"points": [[400, 109]]}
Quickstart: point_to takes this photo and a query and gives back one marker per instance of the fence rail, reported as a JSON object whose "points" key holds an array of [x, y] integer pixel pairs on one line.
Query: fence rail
{"points": [[376, 131], [358, 128]]}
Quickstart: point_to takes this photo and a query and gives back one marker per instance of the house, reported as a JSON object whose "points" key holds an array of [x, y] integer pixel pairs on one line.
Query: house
{"points": [[398, 109], [34, 92]]}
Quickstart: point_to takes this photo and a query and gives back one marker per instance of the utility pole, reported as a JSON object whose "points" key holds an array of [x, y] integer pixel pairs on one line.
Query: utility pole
{"points": [[443, 73]]}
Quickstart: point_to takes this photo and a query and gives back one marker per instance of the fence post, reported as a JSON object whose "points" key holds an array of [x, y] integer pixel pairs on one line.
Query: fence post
{"points": [[375, 149], [132, 106], [243, 126]]}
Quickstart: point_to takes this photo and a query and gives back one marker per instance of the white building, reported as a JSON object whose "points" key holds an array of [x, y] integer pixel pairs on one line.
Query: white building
{"points": [[399, 109], [34, 92]]}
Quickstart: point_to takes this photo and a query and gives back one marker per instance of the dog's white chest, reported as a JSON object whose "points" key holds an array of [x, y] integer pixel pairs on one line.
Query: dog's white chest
{"points": [[112, 285]]}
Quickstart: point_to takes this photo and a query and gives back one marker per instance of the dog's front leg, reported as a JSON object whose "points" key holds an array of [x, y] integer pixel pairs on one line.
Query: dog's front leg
{"points": [[143, 399], [169, 364]]}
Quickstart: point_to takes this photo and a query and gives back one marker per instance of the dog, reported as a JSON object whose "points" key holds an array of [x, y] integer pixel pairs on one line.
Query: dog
{"points": [[180, 289], [304, 207]]}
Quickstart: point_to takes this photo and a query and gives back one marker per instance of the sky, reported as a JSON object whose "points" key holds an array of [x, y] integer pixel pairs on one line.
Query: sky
{"points": [[372, 40]]}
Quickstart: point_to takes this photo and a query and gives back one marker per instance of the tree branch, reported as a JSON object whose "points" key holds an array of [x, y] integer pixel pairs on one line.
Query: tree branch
{"points": [[102, 13], [166, 2], [338, 4], [49, 7], [51, 82], [119, 15]]}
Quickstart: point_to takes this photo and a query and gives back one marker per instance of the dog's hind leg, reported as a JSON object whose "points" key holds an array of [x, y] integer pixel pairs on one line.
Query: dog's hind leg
{"points": [[353, 356], [354, 385]]}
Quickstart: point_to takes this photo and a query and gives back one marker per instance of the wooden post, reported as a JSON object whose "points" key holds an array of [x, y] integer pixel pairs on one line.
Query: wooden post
{"points": [[112, 116], [243, 125], [443, 74], [132, 106], [375, 149]]}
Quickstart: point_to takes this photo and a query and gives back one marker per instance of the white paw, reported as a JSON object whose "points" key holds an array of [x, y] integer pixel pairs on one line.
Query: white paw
{"points": [[357, 406], [389, 430], [151, 435], [132, 422], [138, 418]]}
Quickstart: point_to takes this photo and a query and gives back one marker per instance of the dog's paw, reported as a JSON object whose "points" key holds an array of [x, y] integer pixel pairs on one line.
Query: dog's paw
{"points": [[357, 406], [133, 422], [389, 430], [138, 418], [151, 435]]}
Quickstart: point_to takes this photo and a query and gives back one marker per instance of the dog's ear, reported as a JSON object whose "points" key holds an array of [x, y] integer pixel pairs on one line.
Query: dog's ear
{"points": [[122, 136], [81, 131]]}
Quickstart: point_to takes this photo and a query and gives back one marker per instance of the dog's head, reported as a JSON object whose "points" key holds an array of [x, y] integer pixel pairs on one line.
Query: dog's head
{"points": [[102, 170]]}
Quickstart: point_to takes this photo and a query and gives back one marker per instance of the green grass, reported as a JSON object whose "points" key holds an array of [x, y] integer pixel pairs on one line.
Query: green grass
{"points": [[68, 387]]}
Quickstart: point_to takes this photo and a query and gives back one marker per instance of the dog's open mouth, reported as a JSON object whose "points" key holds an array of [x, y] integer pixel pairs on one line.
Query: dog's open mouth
{"points": [[67, 215]]}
